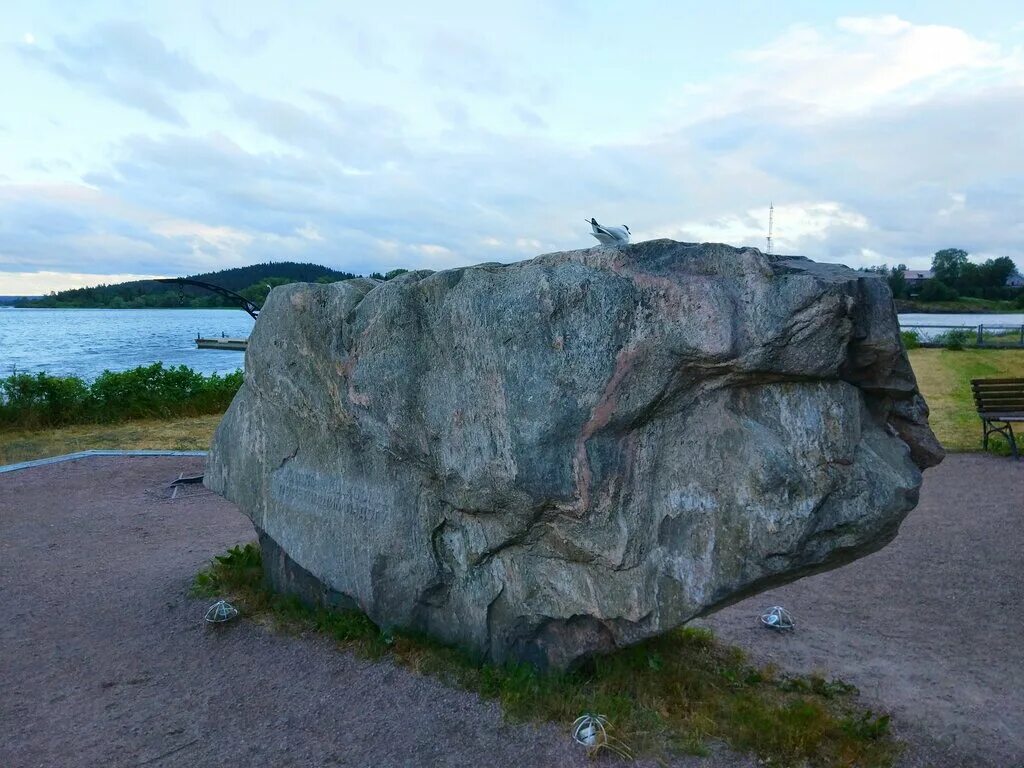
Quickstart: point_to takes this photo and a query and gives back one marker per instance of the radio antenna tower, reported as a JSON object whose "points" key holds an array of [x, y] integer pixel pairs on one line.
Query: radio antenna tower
{"points": [[771, 224]]}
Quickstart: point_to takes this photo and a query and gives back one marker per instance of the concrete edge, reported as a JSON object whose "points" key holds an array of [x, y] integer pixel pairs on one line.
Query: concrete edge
{"points": [[91, 453]]}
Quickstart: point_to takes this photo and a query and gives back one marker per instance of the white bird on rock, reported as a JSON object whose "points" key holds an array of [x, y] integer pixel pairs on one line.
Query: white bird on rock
{"points": [[609, 235]]}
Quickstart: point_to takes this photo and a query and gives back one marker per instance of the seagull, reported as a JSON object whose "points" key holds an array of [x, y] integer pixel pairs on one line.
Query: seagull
{"points": [[609, 235]]}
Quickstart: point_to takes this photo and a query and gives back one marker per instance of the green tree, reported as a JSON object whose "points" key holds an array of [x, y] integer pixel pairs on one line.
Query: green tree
{"points": [[898, 281], [936, 290], [995, 272], [970, 280], [258, 292], [948, 264]]}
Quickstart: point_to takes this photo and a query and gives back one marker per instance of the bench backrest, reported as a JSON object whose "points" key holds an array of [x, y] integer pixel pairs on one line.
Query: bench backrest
{"points": [[998, 395]]}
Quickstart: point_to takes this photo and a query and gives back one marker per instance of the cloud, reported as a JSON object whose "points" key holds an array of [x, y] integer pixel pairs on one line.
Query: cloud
{"points": [[39, 283], [865, 62], [368, 47], [429, 249], [245, 43], [358, 135], [454, 61], [528, 117], [957, 203], [803, 222], [878, 140], [47, 227], [876, 115], [428, 207], [126, 63], [309, 232]]}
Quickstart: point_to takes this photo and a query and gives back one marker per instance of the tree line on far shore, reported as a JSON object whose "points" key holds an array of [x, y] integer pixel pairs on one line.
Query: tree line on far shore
{"points": [[955, 277], [253, 282]]}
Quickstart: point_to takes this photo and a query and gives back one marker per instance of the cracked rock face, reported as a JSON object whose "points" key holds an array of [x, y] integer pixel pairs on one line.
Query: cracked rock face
{"points": [[549, 459]]}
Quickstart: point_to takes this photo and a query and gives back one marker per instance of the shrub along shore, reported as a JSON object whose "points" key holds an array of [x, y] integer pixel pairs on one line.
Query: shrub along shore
{"points": [[39, 401]]}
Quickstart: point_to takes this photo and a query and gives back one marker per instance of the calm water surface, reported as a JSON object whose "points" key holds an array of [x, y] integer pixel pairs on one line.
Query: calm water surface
{"points": [[84, 342], [917, 320]]}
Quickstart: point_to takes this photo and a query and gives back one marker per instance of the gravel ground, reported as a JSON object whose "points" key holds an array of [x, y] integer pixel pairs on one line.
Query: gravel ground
{"points": [[931, 628], [105, 660]]}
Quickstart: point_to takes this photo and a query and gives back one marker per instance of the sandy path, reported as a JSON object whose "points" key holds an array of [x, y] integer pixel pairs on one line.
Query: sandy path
{"points": [[931, 628], [105, 660]]}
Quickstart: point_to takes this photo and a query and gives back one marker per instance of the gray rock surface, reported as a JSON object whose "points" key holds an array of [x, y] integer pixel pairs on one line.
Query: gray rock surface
{"points": [[549, 459]]}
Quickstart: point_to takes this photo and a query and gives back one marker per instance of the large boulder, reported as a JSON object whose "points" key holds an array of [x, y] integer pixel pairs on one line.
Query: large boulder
{"points": [[549, 459]]}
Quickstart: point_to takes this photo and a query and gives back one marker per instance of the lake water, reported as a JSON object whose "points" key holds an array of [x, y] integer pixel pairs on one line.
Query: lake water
{"points": [[84, 342], [971, 322]]}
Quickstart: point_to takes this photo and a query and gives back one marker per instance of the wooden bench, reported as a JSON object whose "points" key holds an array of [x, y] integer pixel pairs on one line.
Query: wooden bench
{"points": [[999, 401]]}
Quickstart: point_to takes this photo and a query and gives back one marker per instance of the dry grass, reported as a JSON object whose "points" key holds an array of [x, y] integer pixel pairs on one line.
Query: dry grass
{"points": [[186, 434], [944, 377]]}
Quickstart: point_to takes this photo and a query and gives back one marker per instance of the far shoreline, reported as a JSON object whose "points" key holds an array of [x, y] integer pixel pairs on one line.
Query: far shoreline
{"points": [[969, 308], [902, 308], [121, 309]]}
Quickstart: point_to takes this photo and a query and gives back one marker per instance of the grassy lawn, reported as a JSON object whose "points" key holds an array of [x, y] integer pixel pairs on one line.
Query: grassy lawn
{"points": [[967, 305], [185, 434], [943, 375], [944, 378]]}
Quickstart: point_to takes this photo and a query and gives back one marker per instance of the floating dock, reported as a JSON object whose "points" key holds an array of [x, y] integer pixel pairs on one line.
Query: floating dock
{"points": [[222, 342]]}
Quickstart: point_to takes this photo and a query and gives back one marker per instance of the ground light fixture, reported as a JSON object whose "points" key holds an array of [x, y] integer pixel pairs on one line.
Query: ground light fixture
{"points": [[220, 612], [778, 618]]}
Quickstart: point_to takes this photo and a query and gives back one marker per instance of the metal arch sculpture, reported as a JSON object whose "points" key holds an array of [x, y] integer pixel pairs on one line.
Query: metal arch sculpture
{"points": [[238, 299]]}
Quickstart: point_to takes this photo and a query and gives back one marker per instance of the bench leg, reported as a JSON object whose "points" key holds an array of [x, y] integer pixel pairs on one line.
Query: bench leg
{"points": [[1006, 431]]}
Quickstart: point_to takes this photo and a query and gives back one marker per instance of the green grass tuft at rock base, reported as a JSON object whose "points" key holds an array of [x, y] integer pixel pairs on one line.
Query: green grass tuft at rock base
{"points": [[682, 692]]}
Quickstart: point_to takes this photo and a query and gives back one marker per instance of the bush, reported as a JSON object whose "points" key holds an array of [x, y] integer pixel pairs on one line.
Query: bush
{"points": [[936, 290], [152, 391], [954, 340], [911, 339], [42, 400]]}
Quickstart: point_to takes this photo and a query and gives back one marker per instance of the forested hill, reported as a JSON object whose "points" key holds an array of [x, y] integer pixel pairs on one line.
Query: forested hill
{"points": [[252, 282], [240, 278]]}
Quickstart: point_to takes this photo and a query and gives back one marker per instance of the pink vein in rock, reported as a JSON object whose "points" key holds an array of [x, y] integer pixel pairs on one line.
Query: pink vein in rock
{"points": [[600, 415]]}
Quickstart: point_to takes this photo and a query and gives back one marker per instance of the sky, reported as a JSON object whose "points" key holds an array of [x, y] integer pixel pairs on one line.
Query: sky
{"points": [[160, 138]]}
